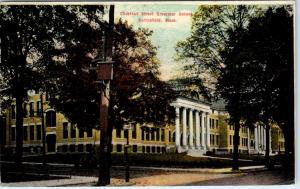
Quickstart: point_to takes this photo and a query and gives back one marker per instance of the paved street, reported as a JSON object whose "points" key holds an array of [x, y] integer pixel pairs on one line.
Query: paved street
{"points": [[149, 176], [253, 178]]}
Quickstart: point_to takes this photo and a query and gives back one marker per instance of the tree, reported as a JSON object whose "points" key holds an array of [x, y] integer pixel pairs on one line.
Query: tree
{"points": [[269, 40], [31, 38], [212, 48], [137, 95]]}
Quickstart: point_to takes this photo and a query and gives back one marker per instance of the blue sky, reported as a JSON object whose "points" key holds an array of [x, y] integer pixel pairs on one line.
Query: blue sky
{"points": [[165, 34]]}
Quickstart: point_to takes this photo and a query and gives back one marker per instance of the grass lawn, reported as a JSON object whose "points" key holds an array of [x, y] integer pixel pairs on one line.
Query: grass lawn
{"points": [[157, 160]]}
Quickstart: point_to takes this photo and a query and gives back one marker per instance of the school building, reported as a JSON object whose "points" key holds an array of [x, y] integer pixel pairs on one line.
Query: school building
{"points": [[198, 127]]}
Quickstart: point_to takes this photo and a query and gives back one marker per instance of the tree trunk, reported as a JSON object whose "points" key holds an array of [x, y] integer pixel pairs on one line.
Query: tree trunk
{"points": [[235, 163], [289, 158], [267, 155], [19, 126], [110, 130]]}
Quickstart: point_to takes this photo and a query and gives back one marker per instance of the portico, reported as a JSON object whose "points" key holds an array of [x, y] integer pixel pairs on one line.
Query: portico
{"points": [[260, 139], [192, 125]]}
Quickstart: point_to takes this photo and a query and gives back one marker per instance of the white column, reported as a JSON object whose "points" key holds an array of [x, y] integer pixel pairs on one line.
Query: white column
{"points": [[197, 130], [248, 139], [184, 142], [256, 138], [202, 131], [207, 132], [191, 128], [270, 141], [265, 140], [259, 137], [177, 126]]}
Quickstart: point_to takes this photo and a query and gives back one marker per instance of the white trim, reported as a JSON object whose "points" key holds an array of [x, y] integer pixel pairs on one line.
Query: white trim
{"points": [[50, 133], [49, 109], [180, 102], [70, 143]]}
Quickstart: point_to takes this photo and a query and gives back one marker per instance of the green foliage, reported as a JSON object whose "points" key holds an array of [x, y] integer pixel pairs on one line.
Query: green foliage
{"points": [[137, 93], [209, 36], [32, 37], [269, 42]]}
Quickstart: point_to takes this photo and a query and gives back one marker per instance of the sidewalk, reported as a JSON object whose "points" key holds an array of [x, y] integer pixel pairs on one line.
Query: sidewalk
{"points": [[165, 176], [74, 180], [198, 170]]}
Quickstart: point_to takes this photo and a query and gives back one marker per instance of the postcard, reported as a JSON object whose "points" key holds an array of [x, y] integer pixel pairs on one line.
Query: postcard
{"points": [[197, 93]]}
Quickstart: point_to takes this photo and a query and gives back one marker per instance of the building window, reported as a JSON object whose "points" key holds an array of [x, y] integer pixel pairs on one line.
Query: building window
{"points": [[153, 149], [80, 148], [88, 147], [25, 110], [162, 134], [158, 149], [31, 110], [217, 138], [81, 133], [13, 133], [147, 134], [213, 139], [143, 149], [134, 132], [143, 134], [89, 132], [31, 132], [119, 147], [157, 134], [51, 118], [217, 123], [126, 133], [38, 108], [13, 112], [73, 131], [38, 132], [174, 137], [134, 148], [170, 136], [213, 123], [230, 139], [152, 131], [65, 130], [148, 149], [118, 133], [72, 148], [64, 148], [25, 134], [163, 149]]}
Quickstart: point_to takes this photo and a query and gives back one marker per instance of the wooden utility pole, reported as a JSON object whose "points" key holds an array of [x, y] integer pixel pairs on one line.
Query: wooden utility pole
{"points": [[104, 167]]}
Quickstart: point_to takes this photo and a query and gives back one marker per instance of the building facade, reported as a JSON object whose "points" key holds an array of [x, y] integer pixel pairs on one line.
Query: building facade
{"points": [[198, 128]]}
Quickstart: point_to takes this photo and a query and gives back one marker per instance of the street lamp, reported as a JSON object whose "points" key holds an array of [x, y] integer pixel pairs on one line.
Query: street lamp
{"points": [[104, 73]]}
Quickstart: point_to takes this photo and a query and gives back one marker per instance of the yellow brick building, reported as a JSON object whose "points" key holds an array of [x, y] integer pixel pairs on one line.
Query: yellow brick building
{"points": [[210, 133]]}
